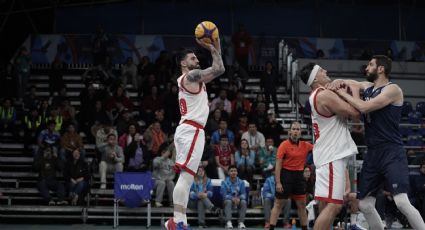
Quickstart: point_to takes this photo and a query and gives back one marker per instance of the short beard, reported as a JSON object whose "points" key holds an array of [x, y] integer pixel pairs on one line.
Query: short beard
{"points": [[371, 77], [194, 67]]}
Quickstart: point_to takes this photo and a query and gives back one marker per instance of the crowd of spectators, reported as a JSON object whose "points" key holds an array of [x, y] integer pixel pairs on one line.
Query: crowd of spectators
{"points": [[137, 135]]}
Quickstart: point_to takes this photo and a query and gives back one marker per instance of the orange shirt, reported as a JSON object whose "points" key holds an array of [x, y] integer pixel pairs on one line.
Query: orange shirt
{"points": [[293, 155]]}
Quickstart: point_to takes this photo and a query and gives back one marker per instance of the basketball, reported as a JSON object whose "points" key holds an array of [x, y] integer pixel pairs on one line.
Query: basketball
{"points": [[206, 31]]}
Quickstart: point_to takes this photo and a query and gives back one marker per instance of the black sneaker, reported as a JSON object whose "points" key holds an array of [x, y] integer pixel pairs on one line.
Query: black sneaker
{"points": [[215, 210]]}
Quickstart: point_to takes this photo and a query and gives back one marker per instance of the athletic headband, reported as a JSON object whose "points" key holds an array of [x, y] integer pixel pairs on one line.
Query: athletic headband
{"points": [[313, 74]]}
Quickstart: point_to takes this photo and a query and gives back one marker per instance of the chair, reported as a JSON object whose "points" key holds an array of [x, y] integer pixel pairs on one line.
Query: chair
{"points": [[406, 108], [132, 188], [420, 107], [415, 117]]}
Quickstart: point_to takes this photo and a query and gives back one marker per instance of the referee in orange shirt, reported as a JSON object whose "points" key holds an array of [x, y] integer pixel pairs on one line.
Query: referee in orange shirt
{"points": [[290, 183]]}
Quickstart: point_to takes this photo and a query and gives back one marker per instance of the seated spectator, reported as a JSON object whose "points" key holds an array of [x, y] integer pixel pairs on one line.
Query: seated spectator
{"points": [[238, 74], [70, 141], [151, 102], [419, 190], [102, 135], [310, 183], [67, 111], [31, 100], [129, 70], [58, 99], [159, 115], [95, 119], [47, 166], [32, 124], [268, 193], [76, 174], [171, 105], [245, 161], [224, 156], [259, 115], [137, 157], [154, 137], [222, 130], [48, 137], [240, 127], [44, 112], [222, 98], [200, 196], [145, 67], [272, 128], [112, 159], [123, 121], [8, 117], [259, 99], [240, 105], [234, 197], [213, 121], [255, 138], [268, 157], [172, 146], [119, 96], [163, 174], [56, 117], [115, 113]]}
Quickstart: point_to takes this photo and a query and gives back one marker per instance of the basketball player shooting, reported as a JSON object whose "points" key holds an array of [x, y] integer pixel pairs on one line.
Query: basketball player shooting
{"points": [[190, 137]]}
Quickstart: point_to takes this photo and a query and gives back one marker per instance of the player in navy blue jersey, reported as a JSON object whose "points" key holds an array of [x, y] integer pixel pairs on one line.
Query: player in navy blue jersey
{"points": [[386, 159]]}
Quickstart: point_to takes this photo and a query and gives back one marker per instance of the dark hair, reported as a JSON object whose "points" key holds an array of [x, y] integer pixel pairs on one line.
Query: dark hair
{"points": [[233, 167], [223, 136], [50, 122], [181, 55], [223, 119], [304, 72], [109, 135], [162, 148], [382, 60], [293, 122]]}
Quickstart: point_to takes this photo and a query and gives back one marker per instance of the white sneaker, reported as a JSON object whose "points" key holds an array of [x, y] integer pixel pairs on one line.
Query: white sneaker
{"points": [[158, 204], [396, 224], [103, 186], [229, 225], [241, 225]]}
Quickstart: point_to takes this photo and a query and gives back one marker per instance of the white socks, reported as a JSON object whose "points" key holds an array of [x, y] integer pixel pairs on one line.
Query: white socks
{"points": [[181, 196], [403, 204], [367, 206]]}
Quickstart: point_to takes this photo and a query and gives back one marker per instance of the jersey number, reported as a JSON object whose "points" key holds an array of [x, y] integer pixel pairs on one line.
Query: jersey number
{"points": [[316, 131], [183, 107]]}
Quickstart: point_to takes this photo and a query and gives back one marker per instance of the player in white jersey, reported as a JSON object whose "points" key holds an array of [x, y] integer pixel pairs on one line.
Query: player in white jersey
{"points": [[189, 138], [333, 143]]}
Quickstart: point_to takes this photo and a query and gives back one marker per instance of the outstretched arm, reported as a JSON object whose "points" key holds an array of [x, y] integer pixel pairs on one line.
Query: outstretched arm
{"points": [[392, 94], [216, 69], [330, 103]]}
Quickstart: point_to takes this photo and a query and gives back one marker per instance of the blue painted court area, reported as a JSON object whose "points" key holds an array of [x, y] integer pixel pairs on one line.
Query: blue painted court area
{"points": [[89, 227]]}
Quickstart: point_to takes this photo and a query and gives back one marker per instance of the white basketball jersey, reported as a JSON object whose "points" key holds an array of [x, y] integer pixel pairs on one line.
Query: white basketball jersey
{"points": [[332, 136], [193, 105]]}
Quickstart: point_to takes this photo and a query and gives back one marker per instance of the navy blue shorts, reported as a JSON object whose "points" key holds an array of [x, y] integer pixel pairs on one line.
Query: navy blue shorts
{"points": [[384, 166]]}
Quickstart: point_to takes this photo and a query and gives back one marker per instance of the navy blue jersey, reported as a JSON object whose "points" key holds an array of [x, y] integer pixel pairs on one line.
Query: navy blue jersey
{"points": [[381, 126]]}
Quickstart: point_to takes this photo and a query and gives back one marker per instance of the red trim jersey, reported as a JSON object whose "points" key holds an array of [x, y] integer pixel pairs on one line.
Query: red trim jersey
{"points": [[193, 105], [332, 138]]}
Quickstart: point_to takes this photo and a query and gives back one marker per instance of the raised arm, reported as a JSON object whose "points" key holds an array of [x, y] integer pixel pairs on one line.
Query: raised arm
{"points": [[216, 69]]}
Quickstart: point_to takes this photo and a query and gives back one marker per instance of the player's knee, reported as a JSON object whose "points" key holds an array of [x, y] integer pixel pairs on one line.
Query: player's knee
{"points": [[402, 201], [365, 206]]}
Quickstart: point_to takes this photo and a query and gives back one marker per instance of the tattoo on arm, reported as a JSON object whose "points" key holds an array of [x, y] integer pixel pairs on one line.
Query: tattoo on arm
{"points": [[208, 74], [194, 75]]}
